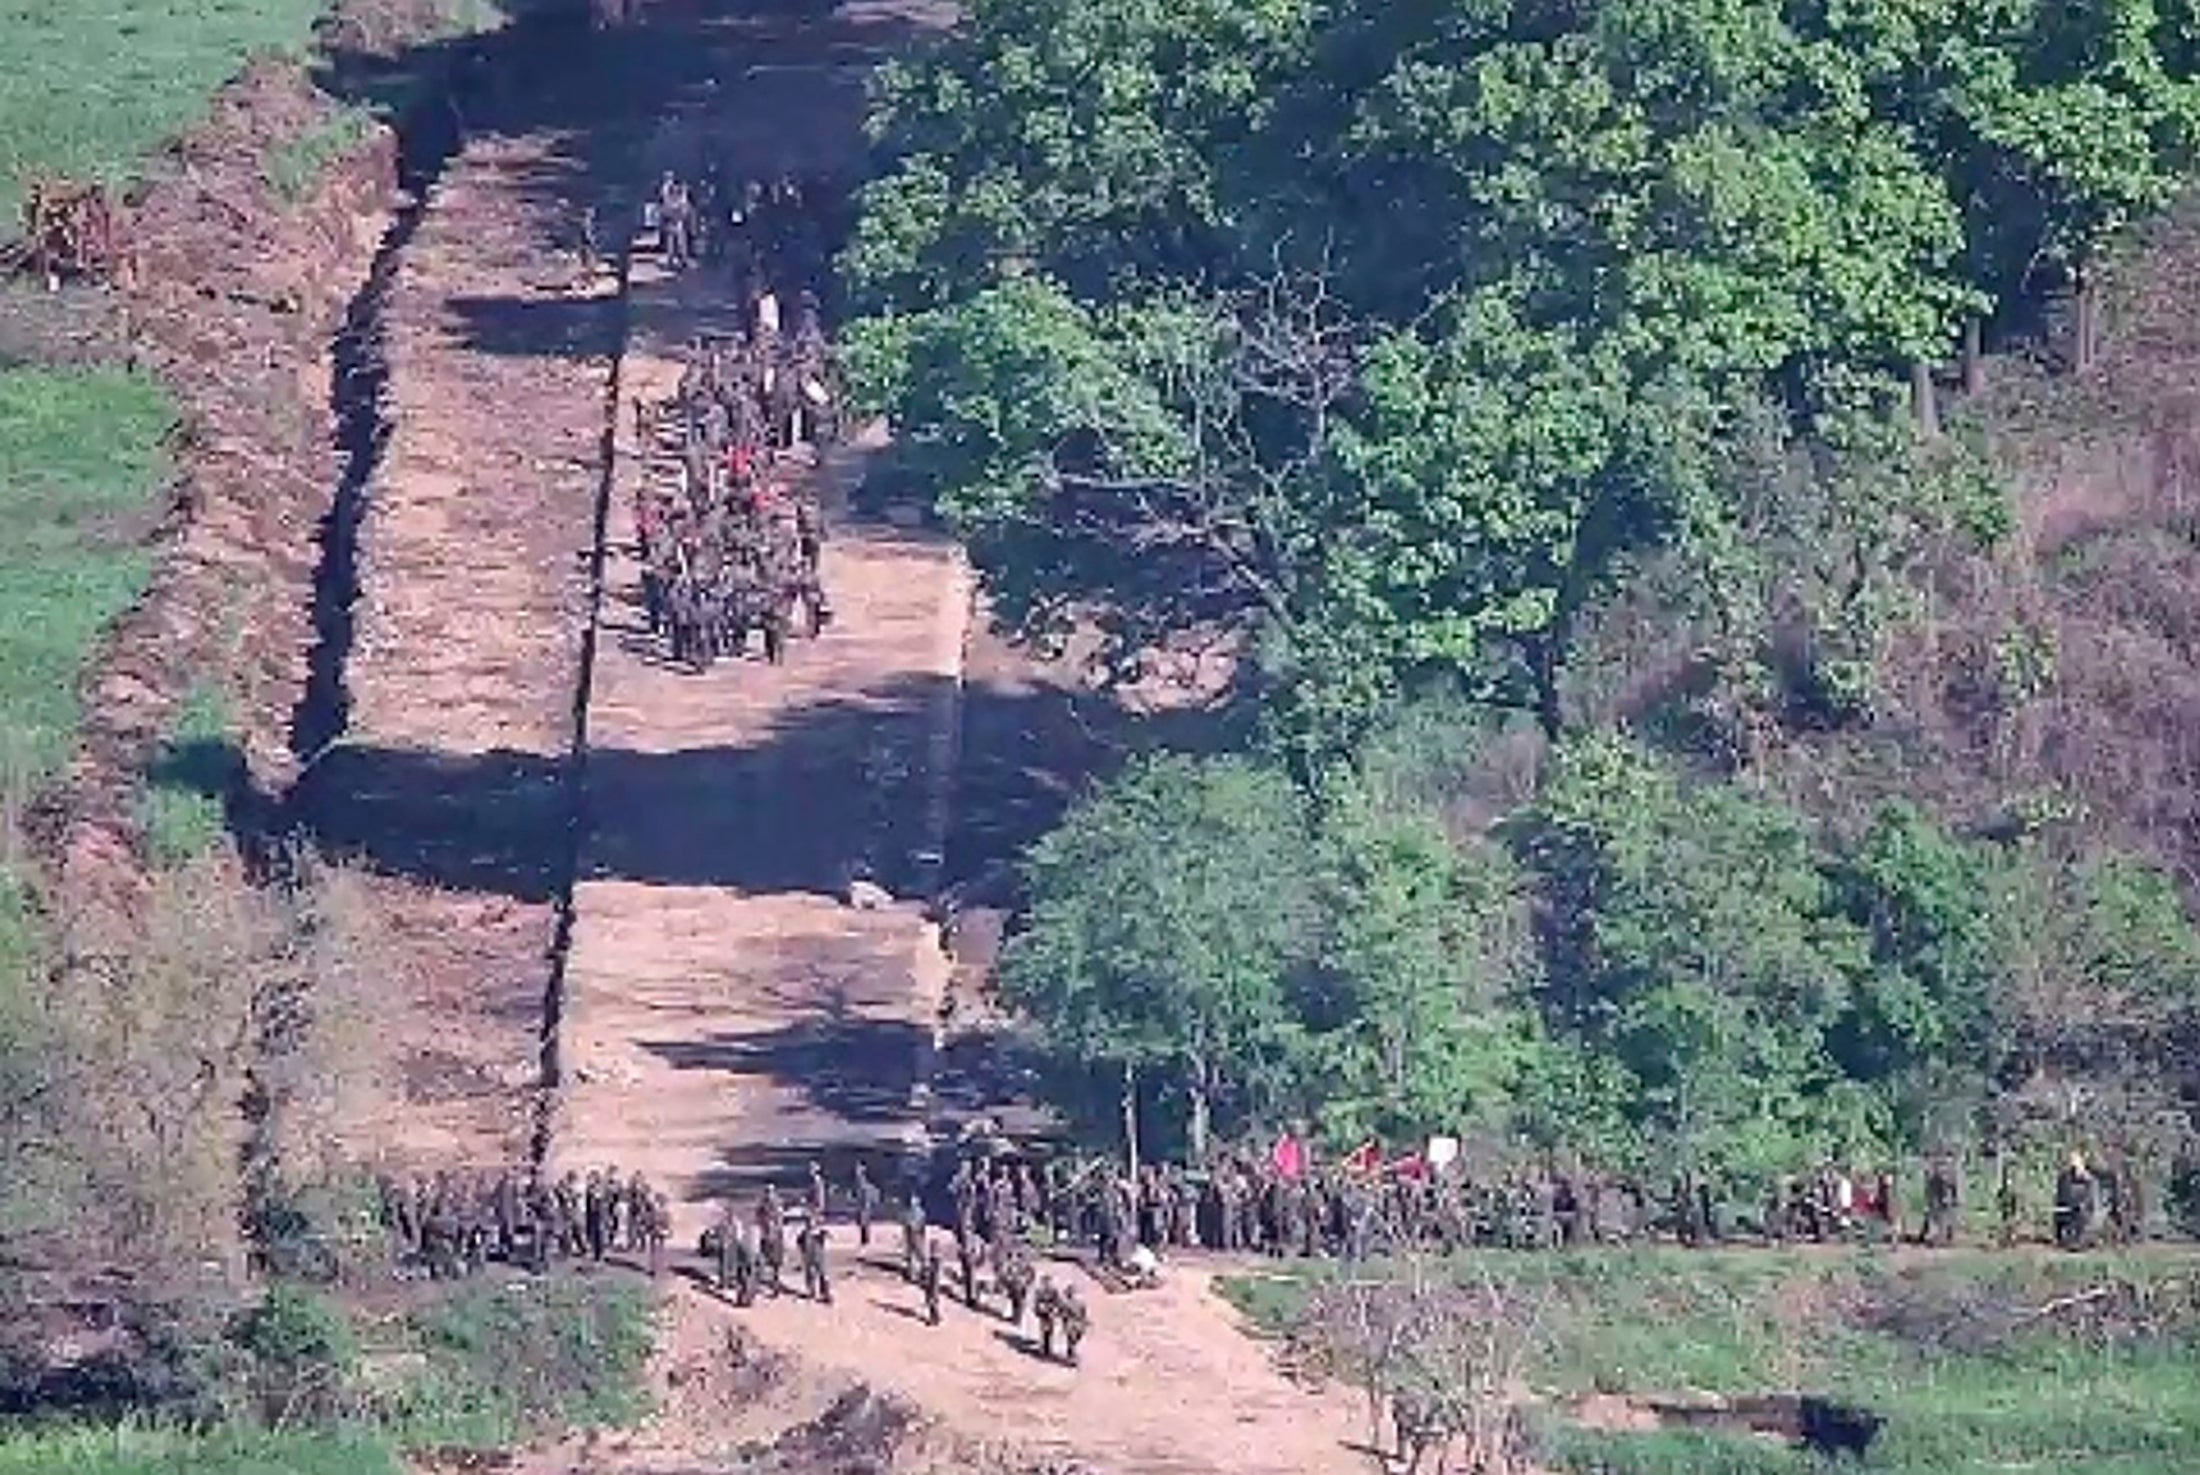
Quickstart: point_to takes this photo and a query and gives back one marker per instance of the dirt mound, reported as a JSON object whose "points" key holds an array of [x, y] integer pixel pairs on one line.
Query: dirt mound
{"points": [[863, 1433], [230, 297]]}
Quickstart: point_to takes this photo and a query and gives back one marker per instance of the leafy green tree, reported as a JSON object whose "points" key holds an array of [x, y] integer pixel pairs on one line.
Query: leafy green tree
{"points": [[1694, 940], [1925, 1021], [1094, 141], [1416, 1025], [1169, 912]]}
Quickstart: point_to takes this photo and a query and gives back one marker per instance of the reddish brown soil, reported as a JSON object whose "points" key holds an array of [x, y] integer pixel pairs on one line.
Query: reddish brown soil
{"points": [[473, 577], [234, 299]]}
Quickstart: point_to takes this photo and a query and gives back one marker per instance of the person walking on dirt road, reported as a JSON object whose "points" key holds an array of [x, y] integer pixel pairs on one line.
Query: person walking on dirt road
{"points": [[929, 1281], [866, 1195], [811, 1242], [912, 1237]]}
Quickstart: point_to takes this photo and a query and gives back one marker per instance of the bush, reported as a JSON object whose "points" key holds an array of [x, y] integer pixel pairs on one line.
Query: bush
{"points": [[303, 1355], [505, 1361]]}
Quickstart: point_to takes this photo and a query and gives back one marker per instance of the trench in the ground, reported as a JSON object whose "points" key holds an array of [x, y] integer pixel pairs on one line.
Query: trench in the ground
{"points": [[576, 761], [428, 139]]}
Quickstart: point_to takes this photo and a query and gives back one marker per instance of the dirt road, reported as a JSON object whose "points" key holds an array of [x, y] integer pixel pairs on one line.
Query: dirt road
{"points": [[727, 1016]]}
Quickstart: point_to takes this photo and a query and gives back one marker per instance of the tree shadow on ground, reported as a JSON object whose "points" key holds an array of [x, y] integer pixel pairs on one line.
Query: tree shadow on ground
{"points": [[831, 786], [858, 1070]]}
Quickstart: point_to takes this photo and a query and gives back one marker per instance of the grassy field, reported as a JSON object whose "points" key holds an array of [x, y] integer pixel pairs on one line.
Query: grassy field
{"points": [[91, 86], [146, 1451], [81, 463], [1951, 1350]]}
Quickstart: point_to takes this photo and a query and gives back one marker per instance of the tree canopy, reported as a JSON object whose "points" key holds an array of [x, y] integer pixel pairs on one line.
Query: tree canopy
{"points": [[1405, 350], [1380, 338]]}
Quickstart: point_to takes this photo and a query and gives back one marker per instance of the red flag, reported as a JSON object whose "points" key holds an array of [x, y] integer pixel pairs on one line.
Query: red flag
{"points": [[1288, 1156], [1412, 1165], [1365, 1158]]}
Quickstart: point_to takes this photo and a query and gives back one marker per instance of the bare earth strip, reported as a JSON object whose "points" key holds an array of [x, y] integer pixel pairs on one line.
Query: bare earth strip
{"points": [[472, 605], [726, 1015]]}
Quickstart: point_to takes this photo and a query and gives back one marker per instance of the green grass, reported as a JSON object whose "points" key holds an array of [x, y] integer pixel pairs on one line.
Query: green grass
{"points": [[132, 1450], [181, 809], [1960, 1389], [92, 86], [484, 1366], [502, 1361], [81, 458], [295, 164]]}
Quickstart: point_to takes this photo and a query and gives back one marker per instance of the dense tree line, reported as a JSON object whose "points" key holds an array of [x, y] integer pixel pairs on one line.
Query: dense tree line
{"points": [[1629, 964], [1393, 348], [1384, 337]]}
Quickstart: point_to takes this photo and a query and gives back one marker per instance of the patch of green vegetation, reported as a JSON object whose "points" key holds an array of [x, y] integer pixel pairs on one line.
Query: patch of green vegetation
{"points": [[484, 1367], [180, 810], [503, 1360], [81, 458], [135, 1450], [295, 164], [1976, 1361], [94, 85]]}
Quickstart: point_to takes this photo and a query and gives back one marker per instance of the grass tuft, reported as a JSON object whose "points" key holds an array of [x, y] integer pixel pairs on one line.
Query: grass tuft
{"points": [[295, 165]]}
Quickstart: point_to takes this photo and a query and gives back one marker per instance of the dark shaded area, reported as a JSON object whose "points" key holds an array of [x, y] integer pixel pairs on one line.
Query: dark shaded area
{"points": [[858, 1070], [489, 822], [775, 817], [1825, 1426]]}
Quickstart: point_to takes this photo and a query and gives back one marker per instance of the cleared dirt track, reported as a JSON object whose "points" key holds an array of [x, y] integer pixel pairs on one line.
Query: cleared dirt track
{"points": [[726, 1015], [466, 642]]}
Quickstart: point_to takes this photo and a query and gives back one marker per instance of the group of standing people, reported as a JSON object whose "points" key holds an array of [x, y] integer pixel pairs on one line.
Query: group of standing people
{"points": [[730, 529], [748, 1250], [1246, 1204], [452, 1224]]}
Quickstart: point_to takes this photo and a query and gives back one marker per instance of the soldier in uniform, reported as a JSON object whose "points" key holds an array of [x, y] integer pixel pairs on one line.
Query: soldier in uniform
{"points": [[1943, 1202], [1015, 1272], [817, 1192], [928, 1278], [771, 1239], [966, 1256], [912, 1237], [596, 1217], [508, 1213], [1779, 1228], [1074, 1321], [567, 1200], [1046, 1305], [866, 1196], [2077, 1196], [2008, 1207], [811, 1242], [657, 1229], [719, 1245], [675, 220]]}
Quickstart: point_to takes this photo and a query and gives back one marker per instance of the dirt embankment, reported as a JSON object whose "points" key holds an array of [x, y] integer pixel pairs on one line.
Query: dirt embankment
{"points": [[233, 299]]}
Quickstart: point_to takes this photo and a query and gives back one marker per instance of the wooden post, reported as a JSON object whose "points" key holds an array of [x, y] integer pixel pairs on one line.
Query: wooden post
{"points": [[1974, 355], [1923, 400]]}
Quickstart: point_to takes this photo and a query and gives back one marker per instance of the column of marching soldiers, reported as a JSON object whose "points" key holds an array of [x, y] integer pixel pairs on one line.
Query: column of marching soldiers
{"points": [[729, 528], [1009, 1213]]}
